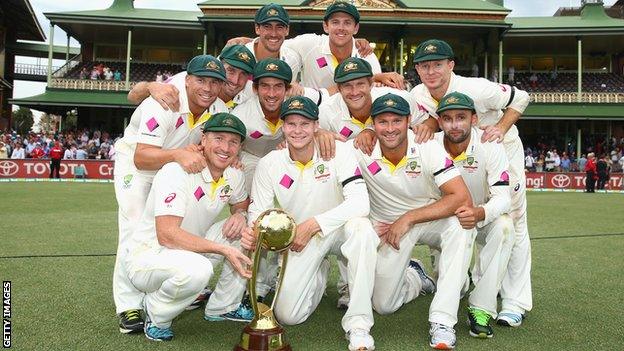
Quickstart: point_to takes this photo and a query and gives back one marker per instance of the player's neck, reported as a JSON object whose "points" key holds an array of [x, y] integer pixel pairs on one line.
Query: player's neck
{"points": [[302, 155], [272, 117], [215, 172], [364, 113], [225, 97], [439, 92], [341, 53], [394, 155], [456, 149], [261, 52], [196, 111]]}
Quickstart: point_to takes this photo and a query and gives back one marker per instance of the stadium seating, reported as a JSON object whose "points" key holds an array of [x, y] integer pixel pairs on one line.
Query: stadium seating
{"points": [[138, 71], [566, 82]]}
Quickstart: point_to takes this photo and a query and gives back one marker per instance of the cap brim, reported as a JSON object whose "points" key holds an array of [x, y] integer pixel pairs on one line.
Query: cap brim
{"points": [[454, 107], [301, 113], [226, 129], [390, 109], [431, 57], [328, 14], [208, 74], [245, 67], [273, 19], [352, 76], [272, 75]]}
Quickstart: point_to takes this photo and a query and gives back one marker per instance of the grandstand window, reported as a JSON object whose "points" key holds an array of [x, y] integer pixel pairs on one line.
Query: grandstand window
{"points": [[542, 63], [158, 55], [596, 63], [567, 63], [108, 52], [519, 63], [181, 56], [136, 54]]}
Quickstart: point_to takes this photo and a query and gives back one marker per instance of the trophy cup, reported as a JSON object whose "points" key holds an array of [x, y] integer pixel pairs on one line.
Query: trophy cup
{"points": [[275, 230]]}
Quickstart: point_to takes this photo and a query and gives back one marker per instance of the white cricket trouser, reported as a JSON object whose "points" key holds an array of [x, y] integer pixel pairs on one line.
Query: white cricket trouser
{"points": [[131, 191], [306, 274], [396, 284], [516, 288], [267, 268], [172, 279], [494, 242]]}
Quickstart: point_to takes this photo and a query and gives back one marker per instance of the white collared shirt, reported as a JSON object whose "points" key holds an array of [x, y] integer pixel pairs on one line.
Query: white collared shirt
{"points": [[490, 100], [197, 198], [262, 136], [318, 62], [413, 183]]}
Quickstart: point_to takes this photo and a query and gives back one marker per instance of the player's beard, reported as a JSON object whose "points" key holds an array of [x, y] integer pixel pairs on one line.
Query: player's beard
{"points": [[459, 138]]}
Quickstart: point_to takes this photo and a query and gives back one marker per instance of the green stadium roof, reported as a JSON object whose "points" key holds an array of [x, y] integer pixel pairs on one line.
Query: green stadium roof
{"points": [[54, 100], [19, 15], [575, 111]]}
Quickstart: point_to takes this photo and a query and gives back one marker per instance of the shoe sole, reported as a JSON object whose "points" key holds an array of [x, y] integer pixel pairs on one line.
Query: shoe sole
{"points": [[221, 319], [481, 335], [506, 323], [155, 339], [130, 331], [442, 346]]}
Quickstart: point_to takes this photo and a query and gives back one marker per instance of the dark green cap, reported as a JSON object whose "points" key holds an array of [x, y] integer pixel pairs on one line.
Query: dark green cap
{"points": [[455, 101], [226, 122], [239, 56], [341, 6], [433, 49], [272, 12], [299, 105], [352, 68], [206, 66], [272, 67], [390, 103]]}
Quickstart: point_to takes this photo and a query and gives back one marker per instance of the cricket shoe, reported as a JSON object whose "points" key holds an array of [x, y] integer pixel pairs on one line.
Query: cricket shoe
{"points": [[155, 333], [428, 286], [442, 337], [243, 313], [130, 321], [510, 319], [343, 300], [360, 340], [479, 322], [201, 299]]}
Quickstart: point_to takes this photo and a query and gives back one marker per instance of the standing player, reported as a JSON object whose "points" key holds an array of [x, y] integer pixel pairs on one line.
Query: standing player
{"points": [[483, 167], [154, 137], [177, 243], [329, 201], [415, 190], [434, 64]]}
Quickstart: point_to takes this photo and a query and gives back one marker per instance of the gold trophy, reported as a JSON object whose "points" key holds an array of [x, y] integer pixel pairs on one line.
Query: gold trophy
{"points": [[275, 230]]}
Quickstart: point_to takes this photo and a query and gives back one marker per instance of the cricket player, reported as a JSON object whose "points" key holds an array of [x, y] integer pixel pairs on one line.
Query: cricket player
{"points": [[329, 202], [415, 191], [154, 137], [238, 63], [177, 243], [484, 168], [498, 108]]}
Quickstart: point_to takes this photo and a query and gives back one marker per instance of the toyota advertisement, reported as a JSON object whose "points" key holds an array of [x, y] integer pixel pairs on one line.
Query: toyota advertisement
{"points": [[567, 181], [32, 168]]}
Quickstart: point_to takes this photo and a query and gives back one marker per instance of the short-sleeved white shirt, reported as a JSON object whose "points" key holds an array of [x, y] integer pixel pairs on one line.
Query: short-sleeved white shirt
{"points": [[414, 182], [286, 54], [304, 191], [198, 198], [262, 135], [334, 114], [318, 62], [489, 98]]}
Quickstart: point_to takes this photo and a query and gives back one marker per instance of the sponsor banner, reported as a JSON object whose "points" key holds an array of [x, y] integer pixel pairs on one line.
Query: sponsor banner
{"points": [[36, 168], [568, 181]]}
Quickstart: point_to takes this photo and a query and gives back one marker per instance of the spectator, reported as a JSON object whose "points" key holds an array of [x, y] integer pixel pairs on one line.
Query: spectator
{"points": [[528, 162], [602, 168], [553, 77], [549, 161], [533, 80], [84, 74], [590, 173], [581, 163], [475, 70], [565, 162], [556, 161], [616, 154], [108, 74], [70, 153], [159, 77], [37, 152], [81, 154], [117, 75], [18, 152], [4, 151], [100, 70], [92, 150], [56, 153], [539, 165], [94, 74], [511, 78]]}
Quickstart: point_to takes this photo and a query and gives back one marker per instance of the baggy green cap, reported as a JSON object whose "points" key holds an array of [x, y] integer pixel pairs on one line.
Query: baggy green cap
{"points": [[352, 68], [272, 12], [390, 103], [272, 67], [206, 66], [225, 122], [342, 6], [299, 105], [433, 49], [238, 56], [455, 101]]}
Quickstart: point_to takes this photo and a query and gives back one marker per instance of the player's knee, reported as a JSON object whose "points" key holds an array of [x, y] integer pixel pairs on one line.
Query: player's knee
{"points": [[194, 277], [288, 315], [360, 230], [382, 305]]}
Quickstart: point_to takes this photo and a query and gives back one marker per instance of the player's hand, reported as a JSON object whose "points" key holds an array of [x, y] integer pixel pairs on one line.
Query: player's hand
{"points": [[390, 79], [467, 217], [238, 41], [295, 90], [282, 145], [327, 143], [166, 95], [233, 226], [397, 230], [382, 231], [363, 47], [248, 239], [238, 260], [365, 141], [191, 159], [492, 133], [237, 163], [423, 133], [305, 232]]}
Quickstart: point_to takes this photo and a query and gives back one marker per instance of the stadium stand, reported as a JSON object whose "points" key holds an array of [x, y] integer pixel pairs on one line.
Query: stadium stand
{"points": [[138, 71], [566, 82]]}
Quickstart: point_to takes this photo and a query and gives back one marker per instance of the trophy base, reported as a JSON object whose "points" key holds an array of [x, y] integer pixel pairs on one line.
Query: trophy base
{"points": [[263, 340]]}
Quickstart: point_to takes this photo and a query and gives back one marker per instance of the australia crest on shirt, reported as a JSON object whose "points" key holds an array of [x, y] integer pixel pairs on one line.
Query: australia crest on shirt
{"points": [[321, 173], [412, 167]]}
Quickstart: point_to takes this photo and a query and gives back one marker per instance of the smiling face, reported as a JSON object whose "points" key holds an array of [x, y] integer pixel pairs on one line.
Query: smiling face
{"points": [[341, 28], [435, 74], [271, 92], [202, 92], [456, 124], [271, 35], [236, 80], [357, 93], [299, 131], [391, 130], [220, 148]]}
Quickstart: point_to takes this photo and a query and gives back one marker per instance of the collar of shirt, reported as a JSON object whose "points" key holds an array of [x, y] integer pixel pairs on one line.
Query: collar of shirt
{"points": [[326, 50], [303, 166], [214, 184], [272, 127], [451, 88], [412, 149]]}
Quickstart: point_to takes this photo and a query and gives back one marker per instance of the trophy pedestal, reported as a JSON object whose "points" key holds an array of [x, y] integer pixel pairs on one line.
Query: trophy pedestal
{"points": [[263, 340]]}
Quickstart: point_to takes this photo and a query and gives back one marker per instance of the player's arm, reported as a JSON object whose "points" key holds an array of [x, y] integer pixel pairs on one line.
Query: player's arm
{"points": [[262, 195], [239, 203], [167, 95], [503, 97], [152, 157], [497, 170], [424, 131]]}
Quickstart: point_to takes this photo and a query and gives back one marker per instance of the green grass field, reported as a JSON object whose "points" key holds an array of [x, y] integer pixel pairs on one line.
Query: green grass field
{"points": [[65, 303]]}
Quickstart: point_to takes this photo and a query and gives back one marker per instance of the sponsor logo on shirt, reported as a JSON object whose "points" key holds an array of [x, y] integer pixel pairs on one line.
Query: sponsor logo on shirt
{"points": [[412, 168], [286, 181], [256, 134], [170, 198], [127, 179], [152, 124], [321, 172], [346, 132], [199, 193], [374, 168], [321, 62], [470, 164], [179, 122], [226, 193]]}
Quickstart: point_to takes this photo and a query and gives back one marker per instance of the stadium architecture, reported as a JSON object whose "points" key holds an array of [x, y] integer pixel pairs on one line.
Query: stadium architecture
{"points": [[583, 46]]}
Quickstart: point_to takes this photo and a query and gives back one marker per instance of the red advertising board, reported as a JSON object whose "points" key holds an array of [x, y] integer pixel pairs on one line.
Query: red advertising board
{"points": [[31, 168], [567, 181]]}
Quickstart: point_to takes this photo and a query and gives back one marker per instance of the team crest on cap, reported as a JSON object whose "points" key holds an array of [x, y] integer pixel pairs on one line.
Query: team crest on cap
{"points": [[272, 12], [212, 65], [271, 67], [431, 48], [243, 56], [350, 66], [452, 100], [295, 104], [390, 103], [228, 122], [341, 4]]}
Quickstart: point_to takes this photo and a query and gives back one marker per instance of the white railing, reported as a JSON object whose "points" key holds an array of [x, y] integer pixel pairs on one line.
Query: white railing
{"points": [[63, 70], [88, 84], [32, 69], [596, 98]]}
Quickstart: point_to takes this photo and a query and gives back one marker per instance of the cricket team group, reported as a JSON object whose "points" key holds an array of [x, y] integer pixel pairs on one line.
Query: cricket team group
{"points": [[366, 169]]}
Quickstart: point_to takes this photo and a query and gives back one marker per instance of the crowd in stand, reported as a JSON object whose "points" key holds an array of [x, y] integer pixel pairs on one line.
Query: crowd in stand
{"points": [[76, 144], [100, 72]]}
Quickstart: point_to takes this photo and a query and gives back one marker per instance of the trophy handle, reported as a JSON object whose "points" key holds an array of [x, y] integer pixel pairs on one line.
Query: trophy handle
{"points": [[281, 269], [251, 285]]}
